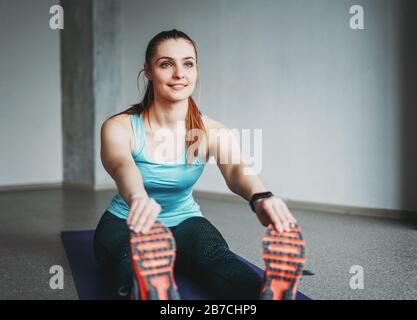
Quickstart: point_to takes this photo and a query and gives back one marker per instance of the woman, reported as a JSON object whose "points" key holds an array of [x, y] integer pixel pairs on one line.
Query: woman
{"points": [[153, 227]]}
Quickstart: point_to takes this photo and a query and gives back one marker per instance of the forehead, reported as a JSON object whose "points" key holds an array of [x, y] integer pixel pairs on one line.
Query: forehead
{"points": [[175, 48]]}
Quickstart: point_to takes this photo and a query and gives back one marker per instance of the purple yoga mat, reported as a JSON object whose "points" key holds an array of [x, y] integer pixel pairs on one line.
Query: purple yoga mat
{"points": [[91, 283]]}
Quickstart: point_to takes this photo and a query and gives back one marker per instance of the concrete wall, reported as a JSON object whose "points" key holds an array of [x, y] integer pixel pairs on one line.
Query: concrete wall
{"points": [[77, 64], [91, 85], [30, 95], [107, 74], [330, 100]]}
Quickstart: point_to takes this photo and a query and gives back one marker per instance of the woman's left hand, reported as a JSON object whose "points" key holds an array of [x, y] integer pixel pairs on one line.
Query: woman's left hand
{"points": [[274, 211]]}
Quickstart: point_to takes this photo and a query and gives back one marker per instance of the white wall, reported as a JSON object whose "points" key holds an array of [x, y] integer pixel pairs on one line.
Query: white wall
{"points": [[30, 98], [325, 96]]}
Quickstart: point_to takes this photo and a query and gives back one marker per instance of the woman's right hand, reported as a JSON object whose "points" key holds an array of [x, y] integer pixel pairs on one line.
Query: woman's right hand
{"points": [[143, 213]]}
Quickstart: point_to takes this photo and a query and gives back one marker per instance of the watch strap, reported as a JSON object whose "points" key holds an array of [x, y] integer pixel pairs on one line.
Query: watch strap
{"points": [[257, 196]]}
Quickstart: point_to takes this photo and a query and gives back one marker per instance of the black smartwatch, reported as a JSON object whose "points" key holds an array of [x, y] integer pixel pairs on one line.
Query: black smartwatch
{"points": [[258, 196]]}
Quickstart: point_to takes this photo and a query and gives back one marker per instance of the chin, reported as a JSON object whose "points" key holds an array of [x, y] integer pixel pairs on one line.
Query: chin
{"points": [[177, 98]]}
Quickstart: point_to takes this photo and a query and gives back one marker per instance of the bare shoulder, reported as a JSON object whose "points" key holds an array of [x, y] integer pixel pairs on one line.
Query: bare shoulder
{"points": [[119, 126], [117, 123], [122, 119]]}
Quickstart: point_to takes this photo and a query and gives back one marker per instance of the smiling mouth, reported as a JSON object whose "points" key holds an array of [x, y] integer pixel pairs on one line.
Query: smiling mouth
{"points": [[177, 87]]}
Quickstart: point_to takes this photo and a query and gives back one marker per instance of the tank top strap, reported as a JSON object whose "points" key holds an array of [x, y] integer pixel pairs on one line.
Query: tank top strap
{"points": [[137, 132], [141, 131]]}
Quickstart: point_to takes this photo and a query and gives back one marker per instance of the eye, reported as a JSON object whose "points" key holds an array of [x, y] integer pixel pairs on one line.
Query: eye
{"points": [[190, 64], [164, 63]]}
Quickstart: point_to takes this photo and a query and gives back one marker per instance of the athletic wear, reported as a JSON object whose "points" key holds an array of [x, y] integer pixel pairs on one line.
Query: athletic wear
{"points": [[199, 250], [153, 257], [284, 256], [202, 255], [169, 184]]}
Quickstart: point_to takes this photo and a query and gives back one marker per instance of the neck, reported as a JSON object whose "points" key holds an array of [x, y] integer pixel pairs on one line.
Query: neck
{"points": [[167, 115]]}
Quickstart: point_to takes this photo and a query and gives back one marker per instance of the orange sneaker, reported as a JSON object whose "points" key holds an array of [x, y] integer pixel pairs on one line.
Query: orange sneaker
{"points": [[153, 256], [284, 259]]}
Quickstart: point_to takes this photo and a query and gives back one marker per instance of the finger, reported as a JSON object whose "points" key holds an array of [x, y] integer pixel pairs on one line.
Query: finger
{"points": [[136, 200], [280, 225], [151, 220], [137, 213], [283, 216], [286, 213], [290, 217], [131, 211], [143, 217], [276, 221]]}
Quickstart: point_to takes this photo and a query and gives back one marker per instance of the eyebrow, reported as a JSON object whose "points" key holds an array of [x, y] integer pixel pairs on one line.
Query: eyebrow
{"points": [[169, 58]]}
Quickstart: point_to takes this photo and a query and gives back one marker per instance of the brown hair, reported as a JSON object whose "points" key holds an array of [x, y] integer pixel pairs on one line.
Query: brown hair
{"points": [[193, 121]]}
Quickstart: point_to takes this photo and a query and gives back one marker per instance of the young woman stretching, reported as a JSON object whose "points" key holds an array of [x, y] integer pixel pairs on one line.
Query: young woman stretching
{"points": [[153, 228]]}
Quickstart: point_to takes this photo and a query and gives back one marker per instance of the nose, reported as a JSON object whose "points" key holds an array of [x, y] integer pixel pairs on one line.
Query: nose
{"points": [[178, 73]]}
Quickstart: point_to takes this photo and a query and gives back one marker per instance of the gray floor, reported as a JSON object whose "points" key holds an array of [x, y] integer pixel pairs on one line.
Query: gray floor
{"points": [[31, 221]]}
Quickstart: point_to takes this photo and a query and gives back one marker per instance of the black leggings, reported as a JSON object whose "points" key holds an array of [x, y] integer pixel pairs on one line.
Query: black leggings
{"points": [[202, 254]]}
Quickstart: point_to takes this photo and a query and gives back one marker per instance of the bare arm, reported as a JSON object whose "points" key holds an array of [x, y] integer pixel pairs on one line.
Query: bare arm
{"points": [[117, 160], [237, 174], [241, 180]]}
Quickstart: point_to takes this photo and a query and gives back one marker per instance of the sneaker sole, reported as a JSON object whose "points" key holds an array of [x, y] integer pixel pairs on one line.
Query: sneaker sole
{"points": [[153, 256], [284, 258]]}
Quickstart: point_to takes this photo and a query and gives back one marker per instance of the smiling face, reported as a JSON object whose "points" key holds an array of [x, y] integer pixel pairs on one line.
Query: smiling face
{"points": [[173, 70]]}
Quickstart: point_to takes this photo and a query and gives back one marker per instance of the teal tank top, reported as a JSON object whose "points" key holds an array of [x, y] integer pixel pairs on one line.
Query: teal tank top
{"points": [[169, 184]]}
